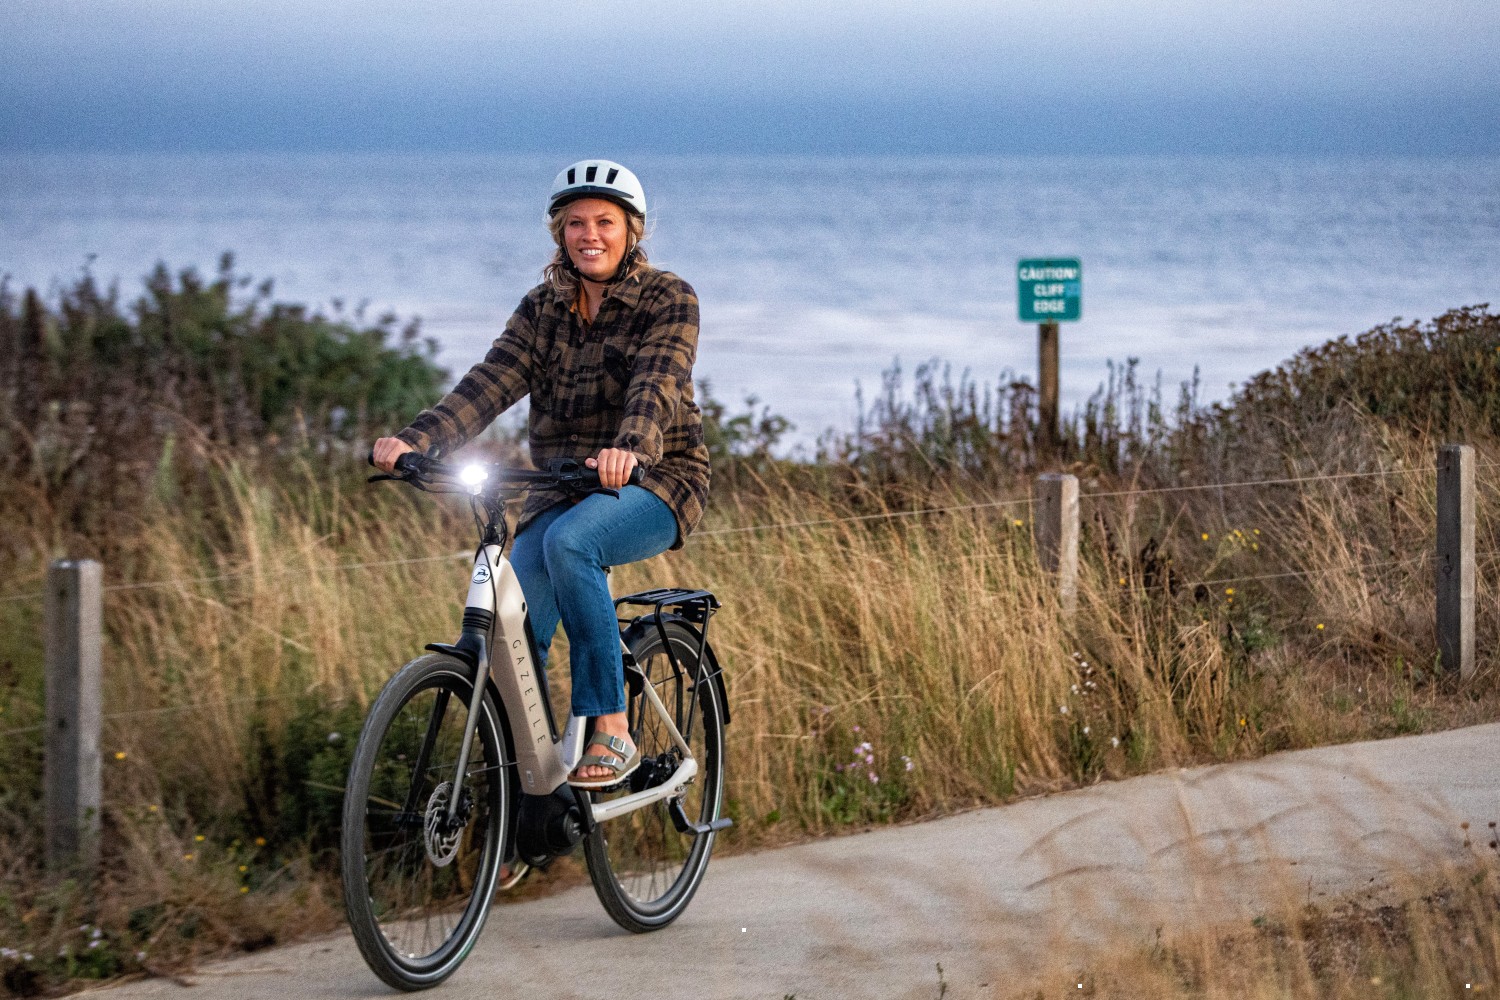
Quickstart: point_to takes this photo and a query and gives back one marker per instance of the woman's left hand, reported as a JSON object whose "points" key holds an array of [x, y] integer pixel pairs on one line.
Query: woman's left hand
{"points": [[614, 465]]}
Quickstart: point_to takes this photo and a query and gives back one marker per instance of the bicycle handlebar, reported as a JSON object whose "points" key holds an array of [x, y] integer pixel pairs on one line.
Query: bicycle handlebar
{"points": [[420, 471]]}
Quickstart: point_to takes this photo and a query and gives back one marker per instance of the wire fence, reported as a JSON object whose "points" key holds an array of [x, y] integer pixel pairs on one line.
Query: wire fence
{"points": [[1098, 495], [246, 574], [785, 526], [857, 518], [1300, 573], [201, 706], [1287, 481], [1137, 585]]}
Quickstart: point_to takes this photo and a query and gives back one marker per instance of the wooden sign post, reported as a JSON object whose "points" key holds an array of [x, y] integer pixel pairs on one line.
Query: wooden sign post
{"points": [[1049, 290]]}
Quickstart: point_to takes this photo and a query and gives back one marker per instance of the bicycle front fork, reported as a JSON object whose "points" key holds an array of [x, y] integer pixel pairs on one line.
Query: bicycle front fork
{"points": [[472, 649]]}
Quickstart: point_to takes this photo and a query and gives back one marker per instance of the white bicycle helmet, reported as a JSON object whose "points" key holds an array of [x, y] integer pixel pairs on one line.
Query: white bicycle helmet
{"points": [[597, 179]]}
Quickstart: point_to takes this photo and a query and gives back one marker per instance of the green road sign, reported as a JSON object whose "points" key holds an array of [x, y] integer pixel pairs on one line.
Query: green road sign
{"points": [[1050, 289]]}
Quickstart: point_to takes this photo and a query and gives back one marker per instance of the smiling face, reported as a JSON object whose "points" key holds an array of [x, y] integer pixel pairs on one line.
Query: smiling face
{"points": [[595, 235]]}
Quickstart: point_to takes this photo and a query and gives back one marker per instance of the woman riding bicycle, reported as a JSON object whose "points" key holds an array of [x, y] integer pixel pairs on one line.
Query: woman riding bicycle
{"points": [[604, 346]]}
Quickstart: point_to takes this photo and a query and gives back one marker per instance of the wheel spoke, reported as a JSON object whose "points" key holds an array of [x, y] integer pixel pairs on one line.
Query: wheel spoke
{"points": [[644, 870], [417, 888]]}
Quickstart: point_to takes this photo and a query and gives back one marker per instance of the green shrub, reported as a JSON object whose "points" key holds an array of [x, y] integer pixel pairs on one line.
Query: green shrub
{"points": [[104, 404]]}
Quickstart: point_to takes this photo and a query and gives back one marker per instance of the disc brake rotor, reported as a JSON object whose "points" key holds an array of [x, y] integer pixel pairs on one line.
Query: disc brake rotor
{"points": [[441, 841]]}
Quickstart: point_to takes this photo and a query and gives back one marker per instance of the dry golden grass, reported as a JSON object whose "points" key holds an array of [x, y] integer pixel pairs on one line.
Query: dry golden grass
{"points": [[879, 669], [1437, 935]]}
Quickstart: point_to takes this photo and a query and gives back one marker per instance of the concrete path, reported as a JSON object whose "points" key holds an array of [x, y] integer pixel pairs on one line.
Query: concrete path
{"points": [[999, 897]]}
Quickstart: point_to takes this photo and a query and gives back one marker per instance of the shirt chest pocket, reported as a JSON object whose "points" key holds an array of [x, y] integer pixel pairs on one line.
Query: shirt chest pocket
{"points": [[618, 366], [583, 380]]}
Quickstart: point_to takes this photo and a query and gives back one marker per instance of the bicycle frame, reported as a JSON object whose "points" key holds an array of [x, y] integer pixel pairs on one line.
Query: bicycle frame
{"points": [[543, 761]]}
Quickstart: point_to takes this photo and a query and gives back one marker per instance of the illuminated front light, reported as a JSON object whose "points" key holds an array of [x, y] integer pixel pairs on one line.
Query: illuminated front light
{"points": [[473, 475]]}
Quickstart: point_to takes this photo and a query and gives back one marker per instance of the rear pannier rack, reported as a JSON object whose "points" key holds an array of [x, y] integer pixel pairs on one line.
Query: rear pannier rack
{"points": [[696, 606]]}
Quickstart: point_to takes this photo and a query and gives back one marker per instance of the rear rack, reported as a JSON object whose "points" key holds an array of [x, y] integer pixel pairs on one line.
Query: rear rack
{"points": [[696, 606]]}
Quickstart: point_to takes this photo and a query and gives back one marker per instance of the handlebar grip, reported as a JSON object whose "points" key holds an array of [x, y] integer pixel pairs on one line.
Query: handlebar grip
{"points": [[589, 478], [406, 462], [634, 479]]}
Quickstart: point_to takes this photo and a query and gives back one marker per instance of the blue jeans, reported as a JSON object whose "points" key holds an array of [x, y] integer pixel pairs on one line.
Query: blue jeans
{"points": [[560, 560]]}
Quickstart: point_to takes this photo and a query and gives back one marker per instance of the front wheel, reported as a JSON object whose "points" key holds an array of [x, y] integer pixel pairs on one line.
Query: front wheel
{"points": [[645, 870], [419, 874]]}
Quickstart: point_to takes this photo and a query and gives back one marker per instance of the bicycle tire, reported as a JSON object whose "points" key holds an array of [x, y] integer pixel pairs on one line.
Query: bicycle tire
{"points": [[644, 871], [416, 892]]}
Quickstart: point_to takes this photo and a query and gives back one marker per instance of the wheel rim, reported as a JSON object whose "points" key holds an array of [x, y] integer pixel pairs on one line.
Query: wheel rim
{"points": [[427, 878], [648, 857]]}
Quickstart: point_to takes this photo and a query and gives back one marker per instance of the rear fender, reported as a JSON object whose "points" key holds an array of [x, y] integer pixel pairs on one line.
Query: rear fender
{"points": [[643, 628]]}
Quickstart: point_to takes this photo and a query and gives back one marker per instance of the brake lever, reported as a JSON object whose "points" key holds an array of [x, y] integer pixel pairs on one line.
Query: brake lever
{"points": [[570, 482], [385, 478]]}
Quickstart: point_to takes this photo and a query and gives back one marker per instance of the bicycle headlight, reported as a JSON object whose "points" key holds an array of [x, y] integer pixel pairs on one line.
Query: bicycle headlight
{"points": [[473, 475]]}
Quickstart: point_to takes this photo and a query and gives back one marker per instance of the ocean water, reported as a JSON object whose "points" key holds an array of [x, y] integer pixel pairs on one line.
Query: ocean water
{"points": [[816, 274]]}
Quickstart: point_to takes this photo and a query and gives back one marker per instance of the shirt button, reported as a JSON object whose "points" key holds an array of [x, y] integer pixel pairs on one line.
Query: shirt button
{"points": [[573, 437]]}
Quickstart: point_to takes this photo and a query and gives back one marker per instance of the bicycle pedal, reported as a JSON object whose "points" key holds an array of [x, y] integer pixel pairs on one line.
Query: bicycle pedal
{"points": [[685, 825]]}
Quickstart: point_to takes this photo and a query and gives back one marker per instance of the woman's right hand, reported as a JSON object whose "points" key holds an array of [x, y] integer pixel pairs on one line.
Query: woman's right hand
{"points": [[386, 451]]}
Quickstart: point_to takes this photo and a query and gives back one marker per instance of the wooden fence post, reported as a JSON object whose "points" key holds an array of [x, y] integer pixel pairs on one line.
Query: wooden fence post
{"points": [[70, 768], [1056, 526], [1455, 558]]}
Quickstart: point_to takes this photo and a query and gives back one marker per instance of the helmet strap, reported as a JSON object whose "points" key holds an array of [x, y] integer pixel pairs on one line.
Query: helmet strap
{"points": [[625, 263]]}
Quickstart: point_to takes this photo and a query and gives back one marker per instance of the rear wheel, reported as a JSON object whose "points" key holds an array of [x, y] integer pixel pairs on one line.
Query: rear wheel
{"points": [[418, 875], [644, 868]]}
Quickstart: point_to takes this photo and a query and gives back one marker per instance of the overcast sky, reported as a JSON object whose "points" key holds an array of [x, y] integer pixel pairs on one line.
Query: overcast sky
{"points": [[795, 76]]}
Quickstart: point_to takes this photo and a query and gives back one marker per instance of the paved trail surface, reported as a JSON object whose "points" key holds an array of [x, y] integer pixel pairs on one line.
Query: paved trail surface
{"points": [[998, 896]]}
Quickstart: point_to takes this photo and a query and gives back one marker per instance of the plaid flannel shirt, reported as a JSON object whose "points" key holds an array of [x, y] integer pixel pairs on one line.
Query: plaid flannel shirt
{"points": [[623, 381]]}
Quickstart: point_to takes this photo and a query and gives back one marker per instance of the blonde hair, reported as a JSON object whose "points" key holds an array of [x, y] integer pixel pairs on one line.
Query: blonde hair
{"points": [[564, 280]]}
